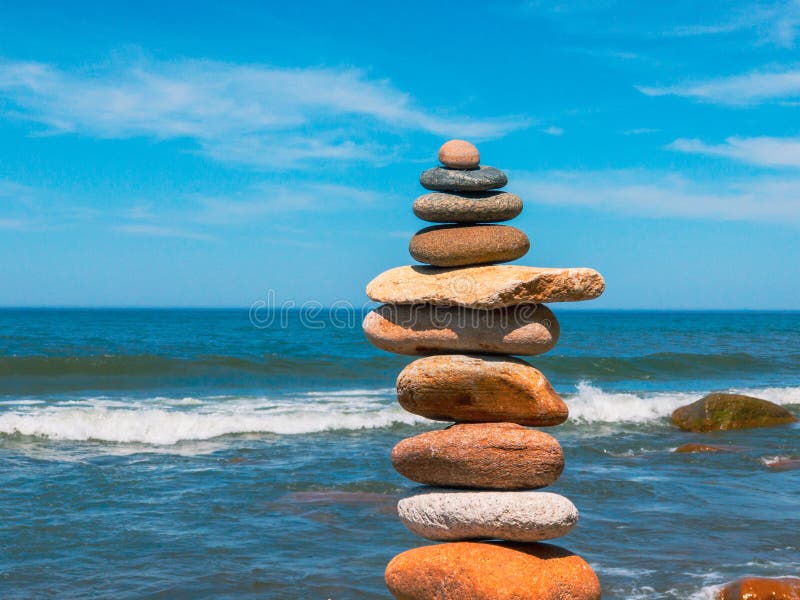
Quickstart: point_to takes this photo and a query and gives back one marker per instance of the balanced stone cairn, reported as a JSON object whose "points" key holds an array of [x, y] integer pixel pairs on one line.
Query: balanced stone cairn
{"points": [[466, 314]]}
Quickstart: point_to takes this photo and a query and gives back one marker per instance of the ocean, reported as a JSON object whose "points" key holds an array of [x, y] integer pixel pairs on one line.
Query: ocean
{"points": [[197, 454]]}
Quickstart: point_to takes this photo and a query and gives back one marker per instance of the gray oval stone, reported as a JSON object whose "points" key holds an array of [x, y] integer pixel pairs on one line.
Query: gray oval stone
{"points": [[475, 207], [453, 180], [510, 516]]}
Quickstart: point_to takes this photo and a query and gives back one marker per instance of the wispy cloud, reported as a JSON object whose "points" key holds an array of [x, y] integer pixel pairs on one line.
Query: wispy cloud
{"points": [[191, 216], [640, 131], [247, 114], [553, 130], [762, 151], [161, 231], [772, 23], [764, 22], [738, 90], [265, 200], [654, 194]]}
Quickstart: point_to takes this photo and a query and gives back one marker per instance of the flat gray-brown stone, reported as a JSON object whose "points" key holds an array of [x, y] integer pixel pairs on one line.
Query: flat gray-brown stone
{"points": [[494, 286], [510, 516], [466, 207], [453, 180], [462, 245], [525, 329]]}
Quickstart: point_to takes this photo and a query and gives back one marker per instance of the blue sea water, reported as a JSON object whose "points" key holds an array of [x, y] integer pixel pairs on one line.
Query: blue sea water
{"points": [[192, 454]]}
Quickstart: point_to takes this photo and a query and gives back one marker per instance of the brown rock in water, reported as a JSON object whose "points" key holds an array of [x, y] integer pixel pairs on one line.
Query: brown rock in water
{"points": [[761, 588], [496, 456], [461, 245], [479, 389], [491, 571], [525, 329], [494, 286], [693, 448], [459, 154], [719, 412], [475, 207], [782, 464]]}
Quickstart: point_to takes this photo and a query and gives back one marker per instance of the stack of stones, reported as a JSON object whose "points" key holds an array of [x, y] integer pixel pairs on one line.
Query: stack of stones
{"points": [[466, 315]]}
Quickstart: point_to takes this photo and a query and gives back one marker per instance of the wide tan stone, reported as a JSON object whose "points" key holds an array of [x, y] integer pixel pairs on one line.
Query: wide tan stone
{"points": [[525, 329], [493, 286], [495, 456], [459, 245], [476, 389], [491, 571], [459, 154]]}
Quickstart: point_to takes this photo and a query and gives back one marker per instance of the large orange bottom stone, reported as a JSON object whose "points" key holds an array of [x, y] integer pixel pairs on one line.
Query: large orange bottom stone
{"points": [[491, 571]]}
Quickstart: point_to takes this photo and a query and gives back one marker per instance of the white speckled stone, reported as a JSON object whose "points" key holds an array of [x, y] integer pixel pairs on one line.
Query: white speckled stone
{"points": [[511, 516]]}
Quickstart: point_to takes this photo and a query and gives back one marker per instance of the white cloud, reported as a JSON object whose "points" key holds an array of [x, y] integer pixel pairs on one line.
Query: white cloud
{"points": [[654, 194], [737, 90], [247, 114], [762, 151], [553, 130]]}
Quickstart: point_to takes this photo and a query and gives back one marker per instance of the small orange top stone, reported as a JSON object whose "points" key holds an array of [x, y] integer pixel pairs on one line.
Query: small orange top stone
{"points": [[458, 154]]}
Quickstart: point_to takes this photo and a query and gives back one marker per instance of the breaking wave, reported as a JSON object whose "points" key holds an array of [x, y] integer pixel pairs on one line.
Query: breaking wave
{"points": [[165, 421]]}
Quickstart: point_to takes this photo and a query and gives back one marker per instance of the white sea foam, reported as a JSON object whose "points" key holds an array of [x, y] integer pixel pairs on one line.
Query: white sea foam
{"points": [[590, 404], [159, 421]]}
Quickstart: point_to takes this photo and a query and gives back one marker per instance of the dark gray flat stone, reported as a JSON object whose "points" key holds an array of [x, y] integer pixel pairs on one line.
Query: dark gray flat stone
{"points": [[453, 180], [469, 207]]}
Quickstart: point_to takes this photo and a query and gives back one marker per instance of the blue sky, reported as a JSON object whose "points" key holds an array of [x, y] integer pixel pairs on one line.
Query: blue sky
{"points": [[202, 154]]}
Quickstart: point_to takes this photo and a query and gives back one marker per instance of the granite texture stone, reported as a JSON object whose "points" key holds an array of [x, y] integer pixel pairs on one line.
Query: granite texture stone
{"points": [[510, 516], [454, 180], [474, 207]]}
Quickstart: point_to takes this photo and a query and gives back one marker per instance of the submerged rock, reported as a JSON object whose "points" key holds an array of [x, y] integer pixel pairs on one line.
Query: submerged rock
{"points": [[693, 448], [719, 412], [761, 588], [491, 571], [782, 463]]}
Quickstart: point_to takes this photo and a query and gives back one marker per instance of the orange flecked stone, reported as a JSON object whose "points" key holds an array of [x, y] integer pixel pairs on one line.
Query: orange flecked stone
{"points": [[761, 588], [475, 389], [491, 571], [459, 154]]}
